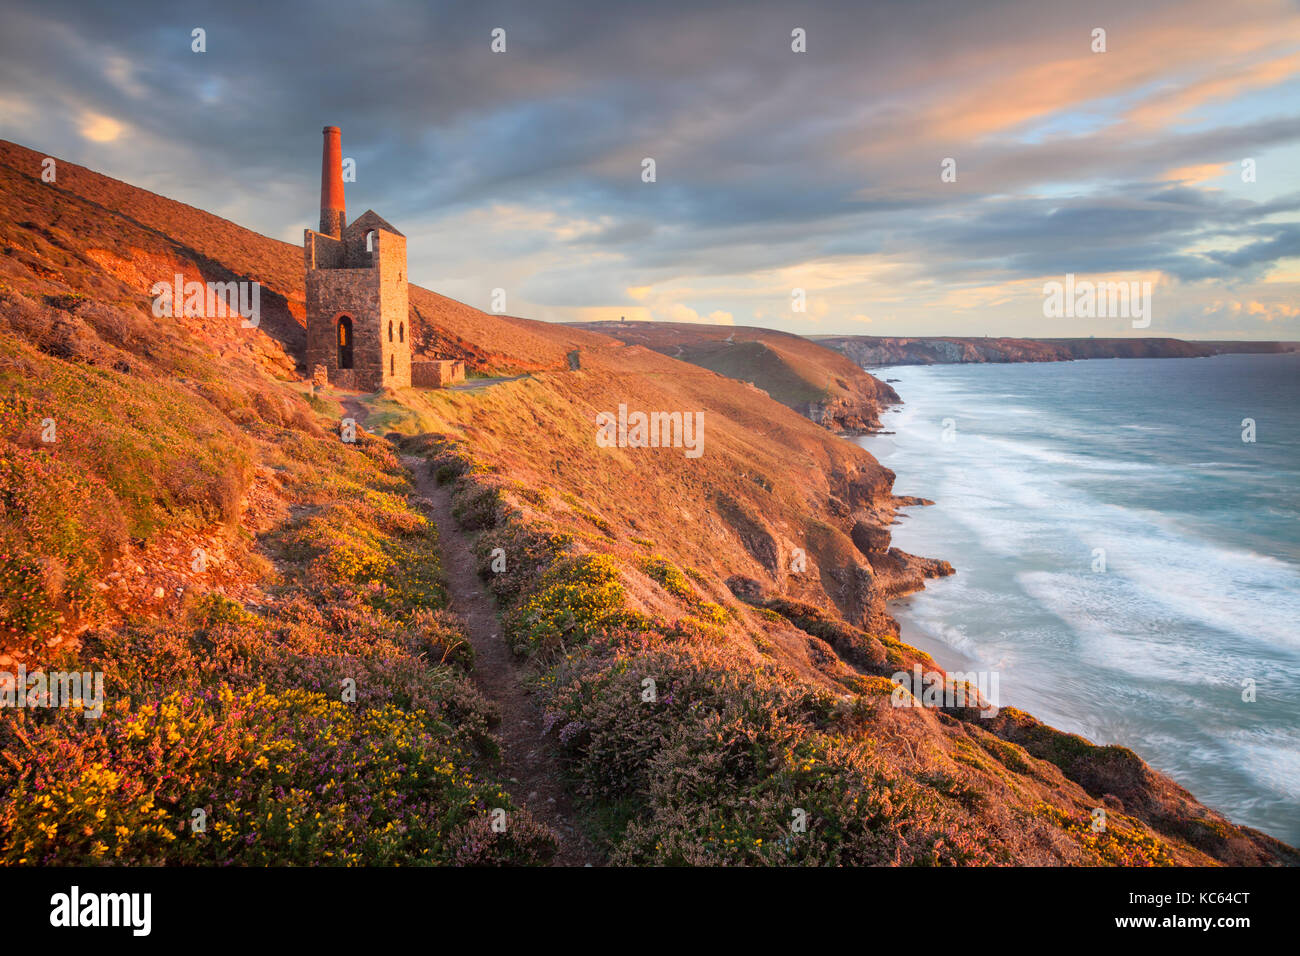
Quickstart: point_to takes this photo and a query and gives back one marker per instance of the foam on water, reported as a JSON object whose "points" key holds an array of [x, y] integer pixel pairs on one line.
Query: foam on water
{"points": [[1201, 589]]}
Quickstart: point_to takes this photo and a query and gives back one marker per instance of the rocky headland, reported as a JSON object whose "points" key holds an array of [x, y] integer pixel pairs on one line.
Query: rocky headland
{"points": [[883, 350]]}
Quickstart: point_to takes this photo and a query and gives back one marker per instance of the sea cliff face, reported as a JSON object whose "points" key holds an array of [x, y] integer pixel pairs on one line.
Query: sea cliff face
{"points": [[873, 350]]}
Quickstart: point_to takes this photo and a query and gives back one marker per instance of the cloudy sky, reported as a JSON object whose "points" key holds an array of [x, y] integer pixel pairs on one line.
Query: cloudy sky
{"points": [[775, 170]]}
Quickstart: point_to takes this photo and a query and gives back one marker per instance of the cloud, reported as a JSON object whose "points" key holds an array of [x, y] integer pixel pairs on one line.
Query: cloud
{"points": [[1192, 175], [100, 129], [775, 170], [1265, 311]]}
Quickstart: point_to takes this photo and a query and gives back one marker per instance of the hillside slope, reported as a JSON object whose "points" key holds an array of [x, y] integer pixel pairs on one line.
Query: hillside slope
{"points": [[713, 660], [254, 603], [795, 371], [128, 238]]}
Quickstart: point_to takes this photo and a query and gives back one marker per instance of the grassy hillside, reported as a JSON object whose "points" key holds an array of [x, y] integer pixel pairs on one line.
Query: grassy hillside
{"points": [[264, 601], [793, 370], [622, 568], [706, 636]]}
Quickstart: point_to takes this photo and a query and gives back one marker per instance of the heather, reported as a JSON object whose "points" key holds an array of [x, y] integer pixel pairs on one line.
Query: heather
{"points": [[246, 717], [692, 739], [303, 700]]}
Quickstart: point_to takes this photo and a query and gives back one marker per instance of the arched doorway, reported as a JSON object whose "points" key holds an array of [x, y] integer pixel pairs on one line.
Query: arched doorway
{"points": [[345, 341]]}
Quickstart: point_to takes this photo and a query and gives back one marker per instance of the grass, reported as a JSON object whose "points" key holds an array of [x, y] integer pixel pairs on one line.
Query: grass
{"points": [[334, 725], [684, 749], [129, 461]]}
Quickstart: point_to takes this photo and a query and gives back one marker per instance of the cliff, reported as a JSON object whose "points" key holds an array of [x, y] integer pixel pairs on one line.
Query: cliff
{"points": [[876, 350], [798, 373]]}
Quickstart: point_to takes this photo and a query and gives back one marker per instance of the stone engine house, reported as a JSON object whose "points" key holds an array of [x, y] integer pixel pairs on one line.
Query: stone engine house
{"points": [[358, 321]]}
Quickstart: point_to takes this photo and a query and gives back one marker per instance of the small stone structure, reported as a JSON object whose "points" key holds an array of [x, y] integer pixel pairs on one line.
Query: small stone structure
{"points": [[437, 373]]}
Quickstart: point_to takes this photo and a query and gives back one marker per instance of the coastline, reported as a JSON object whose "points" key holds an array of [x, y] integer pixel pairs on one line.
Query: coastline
{"points": [[883, 351], [1085, 675], [945, 655]]}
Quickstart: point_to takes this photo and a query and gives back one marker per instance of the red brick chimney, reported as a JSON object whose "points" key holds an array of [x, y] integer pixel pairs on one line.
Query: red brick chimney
{"points": [[333, 211]]}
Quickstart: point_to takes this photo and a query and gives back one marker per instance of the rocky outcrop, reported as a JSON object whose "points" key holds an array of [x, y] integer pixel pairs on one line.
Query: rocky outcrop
{"points": [[898, 573], [754, 532], [848, 417], [870, 537]]}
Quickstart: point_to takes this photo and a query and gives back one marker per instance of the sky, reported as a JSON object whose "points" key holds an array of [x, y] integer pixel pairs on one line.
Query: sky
{"points": [[1170, 157]]}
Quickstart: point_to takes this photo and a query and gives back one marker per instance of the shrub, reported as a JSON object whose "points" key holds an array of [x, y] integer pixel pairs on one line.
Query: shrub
{"points": [[522, 842], [668, 576], [275, 775], [1122, 842], [736, 793], [853, 645], [578, 598], [476, 506], [528, 552]]}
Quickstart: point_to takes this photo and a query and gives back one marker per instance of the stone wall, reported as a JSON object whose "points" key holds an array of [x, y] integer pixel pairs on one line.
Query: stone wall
{"points": [[371, 288], [349, 379], [331, 294], [394, 307], [438, 373]]}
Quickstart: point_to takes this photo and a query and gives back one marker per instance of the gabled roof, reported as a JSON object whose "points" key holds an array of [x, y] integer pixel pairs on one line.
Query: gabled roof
{"points": [[365, 222]]}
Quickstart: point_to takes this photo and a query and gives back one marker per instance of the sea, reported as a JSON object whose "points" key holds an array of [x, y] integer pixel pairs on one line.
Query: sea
{"points": [[1126, 538]]}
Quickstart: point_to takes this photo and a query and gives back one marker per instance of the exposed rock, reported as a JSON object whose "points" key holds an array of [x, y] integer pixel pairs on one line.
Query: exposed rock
{"points": [[869, 537], [747, 589], [754, 533], [854, 592], [898, 573]]}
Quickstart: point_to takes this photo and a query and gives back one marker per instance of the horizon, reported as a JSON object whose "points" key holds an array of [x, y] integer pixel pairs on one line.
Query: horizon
{"points": [[871, 334], [513, 170]]}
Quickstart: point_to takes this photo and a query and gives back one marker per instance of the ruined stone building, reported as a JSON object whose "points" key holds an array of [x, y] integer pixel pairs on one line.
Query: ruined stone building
{"points": [[357, 315], [358, 321]]}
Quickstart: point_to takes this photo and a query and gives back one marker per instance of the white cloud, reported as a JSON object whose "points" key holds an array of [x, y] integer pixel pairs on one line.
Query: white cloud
{"points": [[99, 128]]}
